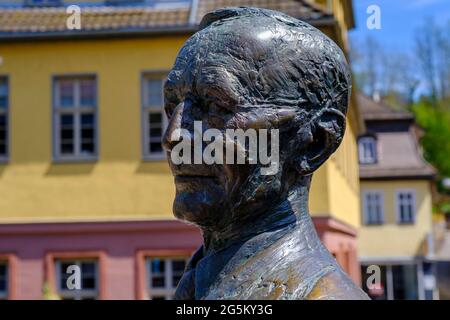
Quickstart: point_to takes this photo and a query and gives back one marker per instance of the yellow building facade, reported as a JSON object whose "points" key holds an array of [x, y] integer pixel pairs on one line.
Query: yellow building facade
{"points": [[94, 81], [400, 241], [396, 205]]}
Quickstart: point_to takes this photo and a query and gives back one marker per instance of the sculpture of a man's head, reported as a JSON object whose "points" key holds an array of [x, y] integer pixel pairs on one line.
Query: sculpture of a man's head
{"points": [[255, 69]]}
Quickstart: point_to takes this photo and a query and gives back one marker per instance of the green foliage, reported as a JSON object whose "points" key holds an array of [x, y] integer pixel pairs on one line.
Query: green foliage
{"points": [[48, 294], [445, 208], [435, 120]]}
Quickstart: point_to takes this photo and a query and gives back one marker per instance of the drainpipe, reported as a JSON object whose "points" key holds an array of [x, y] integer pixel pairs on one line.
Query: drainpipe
{"points": [[430, 246], [420, 280], [376, 96], [193, 13], [389, 283]]}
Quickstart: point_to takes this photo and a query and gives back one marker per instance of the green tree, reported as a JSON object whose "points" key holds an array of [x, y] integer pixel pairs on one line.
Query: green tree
{"points": [[436, 140]]}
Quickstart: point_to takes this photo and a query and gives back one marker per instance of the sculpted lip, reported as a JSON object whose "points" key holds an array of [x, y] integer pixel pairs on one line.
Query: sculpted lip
{"points": [[184, 183], [190, 176], [189, 171]]}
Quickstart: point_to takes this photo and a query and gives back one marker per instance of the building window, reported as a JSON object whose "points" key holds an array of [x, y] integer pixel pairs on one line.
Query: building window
{"points": [[367, 150], [373, 207], [163, 276], [154, 119], [75, 118], [3, 280], [406, 204], [88, 279], [4, 104]]}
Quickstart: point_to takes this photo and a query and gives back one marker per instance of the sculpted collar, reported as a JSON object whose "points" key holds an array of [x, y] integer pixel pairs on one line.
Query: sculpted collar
{"points": [[230, 273]]}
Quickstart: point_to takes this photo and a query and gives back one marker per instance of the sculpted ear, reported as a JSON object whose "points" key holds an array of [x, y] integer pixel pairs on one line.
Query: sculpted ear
{"points": [[319, 140]]}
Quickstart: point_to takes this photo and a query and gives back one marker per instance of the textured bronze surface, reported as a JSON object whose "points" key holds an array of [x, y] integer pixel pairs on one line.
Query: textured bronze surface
{"points": [[255, 68]]}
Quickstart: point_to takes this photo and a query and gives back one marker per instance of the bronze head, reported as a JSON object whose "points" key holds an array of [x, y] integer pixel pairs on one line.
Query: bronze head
{"points": [[254, 68]]}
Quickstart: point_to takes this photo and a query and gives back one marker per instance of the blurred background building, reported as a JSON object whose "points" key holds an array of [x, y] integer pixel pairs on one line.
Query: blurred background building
{"points": [[396, 200], [83, 178]]}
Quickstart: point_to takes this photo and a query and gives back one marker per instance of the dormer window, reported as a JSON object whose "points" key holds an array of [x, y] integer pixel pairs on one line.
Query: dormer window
{"points": [[367, 150]]}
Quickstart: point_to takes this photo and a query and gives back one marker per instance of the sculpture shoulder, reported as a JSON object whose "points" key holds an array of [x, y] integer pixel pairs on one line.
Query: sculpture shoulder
{"points": [[283, 271], [336, 286], [310, 277]]}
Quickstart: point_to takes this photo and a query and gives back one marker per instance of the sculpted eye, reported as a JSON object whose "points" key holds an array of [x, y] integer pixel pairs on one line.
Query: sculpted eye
{"points": [[214, 108]]}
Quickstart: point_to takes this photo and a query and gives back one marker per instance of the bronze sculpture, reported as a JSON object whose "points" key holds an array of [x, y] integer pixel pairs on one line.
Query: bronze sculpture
{"points": [[250, 68]]}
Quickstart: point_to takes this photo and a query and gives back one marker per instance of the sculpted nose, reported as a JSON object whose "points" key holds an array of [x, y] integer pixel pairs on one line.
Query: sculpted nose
{"points": [[175, 123]]}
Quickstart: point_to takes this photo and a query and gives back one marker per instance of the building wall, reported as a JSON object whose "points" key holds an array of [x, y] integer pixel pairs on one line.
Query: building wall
{"points": [[392, 240], [120, 185], [335, 186], [339, 196], [117, 186], [121, 247], [344, 180]]}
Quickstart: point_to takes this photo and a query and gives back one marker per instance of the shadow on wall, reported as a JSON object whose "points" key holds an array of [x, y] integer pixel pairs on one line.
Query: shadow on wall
{"points": [[64, 169], [2, 169], [154, 167]]}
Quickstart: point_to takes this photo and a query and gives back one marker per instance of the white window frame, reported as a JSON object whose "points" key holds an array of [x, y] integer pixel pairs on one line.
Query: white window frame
{"points": [[77, 110], [169, 290], [369, 142], [5, 112], [76, 294], [148, 109], [4, 294], [413, 205], [365, 195]]}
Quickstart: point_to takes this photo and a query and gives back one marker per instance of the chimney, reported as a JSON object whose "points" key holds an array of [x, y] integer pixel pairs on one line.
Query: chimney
{"points": [[376, 96]]}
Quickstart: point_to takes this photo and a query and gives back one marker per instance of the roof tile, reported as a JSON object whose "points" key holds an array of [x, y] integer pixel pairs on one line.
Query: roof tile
{"points": [[398, 151], [50, 20], [372, 110], [92, 18], [301, 9]]}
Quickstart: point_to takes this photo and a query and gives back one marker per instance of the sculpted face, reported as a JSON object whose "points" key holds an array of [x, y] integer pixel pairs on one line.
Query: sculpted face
{"points": [[238, 75]]}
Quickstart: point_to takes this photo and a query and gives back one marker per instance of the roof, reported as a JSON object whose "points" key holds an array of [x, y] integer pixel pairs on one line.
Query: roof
{"points": [[373, 110], [52, 21], [398, 157], [301, 9], [398, 152]]}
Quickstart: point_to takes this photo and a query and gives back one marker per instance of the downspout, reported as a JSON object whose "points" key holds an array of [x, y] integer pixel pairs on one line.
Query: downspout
{"points": [[193, 13]]}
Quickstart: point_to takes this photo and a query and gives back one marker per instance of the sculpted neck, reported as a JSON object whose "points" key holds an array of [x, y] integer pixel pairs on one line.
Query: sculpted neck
{"points": [[290, 212]]}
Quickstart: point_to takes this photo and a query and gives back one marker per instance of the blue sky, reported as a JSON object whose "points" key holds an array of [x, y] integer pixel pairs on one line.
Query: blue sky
{"points": [[399, 19]]}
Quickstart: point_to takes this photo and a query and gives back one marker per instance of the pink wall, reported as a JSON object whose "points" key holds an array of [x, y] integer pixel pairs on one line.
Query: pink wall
{"points": [[121, 248], [120, 242]]}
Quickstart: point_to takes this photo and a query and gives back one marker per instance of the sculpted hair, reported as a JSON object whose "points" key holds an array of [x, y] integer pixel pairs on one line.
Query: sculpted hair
{"points": [[303, 68]]}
